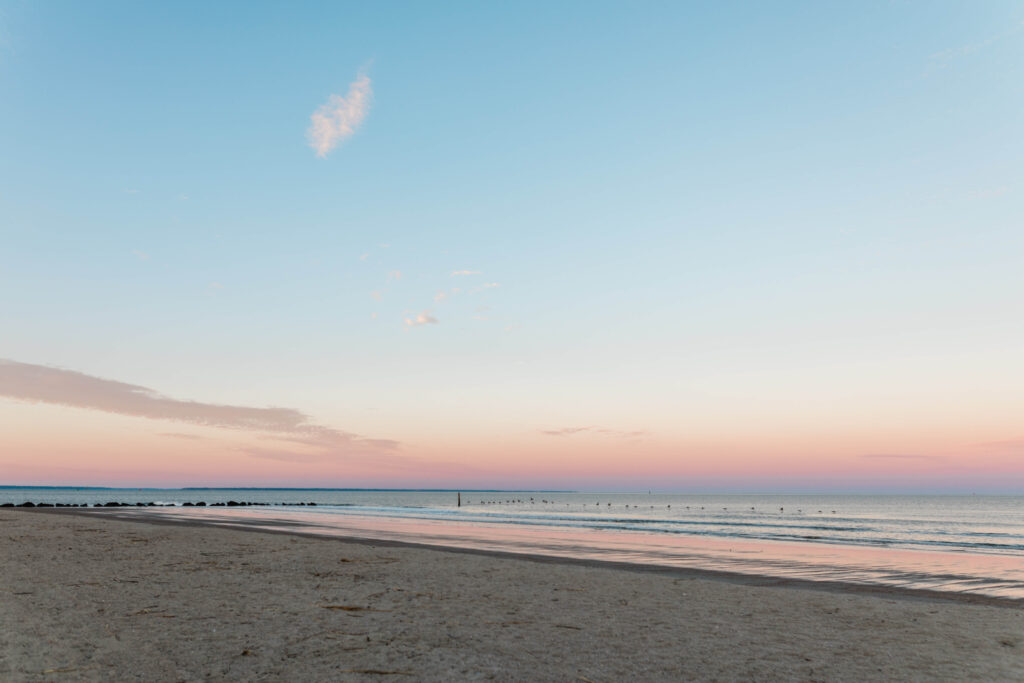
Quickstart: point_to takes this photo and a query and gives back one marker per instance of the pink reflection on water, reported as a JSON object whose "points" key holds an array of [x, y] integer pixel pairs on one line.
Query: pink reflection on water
{"points": [[993, 575]]}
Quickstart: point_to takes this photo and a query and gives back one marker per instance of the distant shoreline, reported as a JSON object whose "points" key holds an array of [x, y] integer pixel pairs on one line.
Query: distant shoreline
{"points": [[272, 488]]}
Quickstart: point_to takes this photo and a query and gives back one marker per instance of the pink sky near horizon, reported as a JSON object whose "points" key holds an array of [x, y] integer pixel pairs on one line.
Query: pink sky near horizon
{"points": [[48, 444]]}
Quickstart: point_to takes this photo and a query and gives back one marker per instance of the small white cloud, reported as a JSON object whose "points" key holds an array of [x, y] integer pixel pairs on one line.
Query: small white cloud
{"points": [[440, 296], [377, 295], [465, 272], [337, 120], [141, 255], [491, 285], [395, 275], [423, 318], [363, 257]]}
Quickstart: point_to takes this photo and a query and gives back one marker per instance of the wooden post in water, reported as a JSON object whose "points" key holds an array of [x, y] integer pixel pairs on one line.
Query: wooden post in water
{"points": [[460, 499]]}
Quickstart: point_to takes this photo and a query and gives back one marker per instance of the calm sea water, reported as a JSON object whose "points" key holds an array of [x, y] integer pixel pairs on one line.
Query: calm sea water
{"points": [[951, 543]]}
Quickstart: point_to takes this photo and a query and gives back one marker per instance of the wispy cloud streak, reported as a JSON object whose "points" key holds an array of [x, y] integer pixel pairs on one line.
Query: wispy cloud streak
{"points": [[337, 119], [570, 431], [179, 435], [43, 384], [902, 456], [1006, 446], [971, 48]]}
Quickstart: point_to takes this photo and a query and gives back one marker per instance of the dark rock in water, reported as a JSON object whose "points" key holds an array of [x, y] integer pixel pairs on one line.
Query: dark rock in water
{"points": [[97, 505], [217, 504], [200, 504], [300, 503], [312, 503], [6, 505], [232, 503], [187, 505], [150, 504], [27, 504], [112, 504], [140, 505], [45, 505]]}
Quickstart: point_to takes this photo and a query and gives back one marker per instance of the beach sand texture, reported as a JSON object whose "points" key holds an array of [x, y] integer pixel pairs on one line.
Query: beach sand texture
{"points": [[88, 597]]}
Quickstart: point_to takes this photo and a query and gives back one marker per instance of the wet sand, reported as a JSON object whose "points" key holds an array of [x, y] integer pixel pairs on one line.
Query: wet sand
{"points": [[88, 596]]}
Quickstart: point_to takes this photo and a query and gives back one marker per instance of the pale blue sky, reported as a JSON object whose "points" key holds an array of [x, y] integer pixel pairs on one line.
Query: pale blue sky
{"points": [[680, 203]]}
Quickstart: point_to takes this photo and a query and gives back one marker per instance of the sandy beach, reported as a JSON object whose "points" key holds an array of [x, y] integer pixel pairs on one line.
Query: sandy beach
{"points": [[90, 597]]}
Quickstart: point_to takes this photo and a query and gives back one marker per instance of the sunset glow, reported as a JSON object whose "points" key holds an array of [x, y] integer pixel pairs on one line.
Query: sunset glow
{"points": [[568, 247]]}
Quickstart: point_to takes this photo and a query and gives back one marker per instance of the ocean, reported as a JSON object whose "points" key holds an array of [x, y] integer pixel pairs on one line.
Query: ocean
{"points": [[968, 544]]}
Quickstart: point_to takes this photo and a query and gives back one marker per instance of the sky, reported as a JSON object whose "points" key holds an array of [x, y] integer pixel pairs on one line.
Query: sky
{"points": [[731, 246]]}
